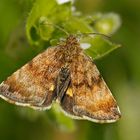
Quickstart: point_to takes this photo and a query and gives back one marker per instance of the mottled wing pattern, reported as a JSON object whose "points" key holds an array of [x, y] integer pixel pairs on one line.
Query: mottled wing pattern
{"points": [[88, 96], [33, 84]]}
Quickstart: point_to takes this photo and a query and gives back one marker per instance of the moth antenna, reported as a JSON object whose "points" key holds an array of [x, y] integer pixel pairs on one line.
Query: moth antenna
{"points": [[100, 34], [61, 29], [45, 22]]}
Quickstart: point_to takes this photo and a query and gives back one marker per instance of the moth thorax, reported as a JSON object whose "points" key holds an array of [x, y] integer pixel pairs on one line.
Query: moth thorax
{"points": [[71, 53], [71, 40]]}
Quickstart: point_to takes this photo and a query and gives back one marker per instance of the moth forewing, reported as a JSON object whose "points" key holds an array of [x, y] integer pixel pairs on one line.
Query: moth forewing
{"points": [[30, 85]]}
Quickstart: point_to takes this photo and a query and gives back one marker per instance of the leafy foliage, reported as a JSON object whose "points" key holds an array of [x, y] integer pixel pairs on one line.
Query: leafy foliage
{"points": [[50, 20]]}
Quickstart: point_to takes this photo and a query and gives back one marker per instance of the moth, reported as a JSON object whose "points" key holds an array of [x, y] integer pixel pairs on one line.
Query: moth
{"points": [[63, 74]]}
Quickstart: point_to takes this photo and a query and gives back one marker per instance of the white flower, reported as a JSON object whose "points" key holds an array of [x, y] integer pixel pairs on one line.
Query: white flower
{"points": [[63, 1]]}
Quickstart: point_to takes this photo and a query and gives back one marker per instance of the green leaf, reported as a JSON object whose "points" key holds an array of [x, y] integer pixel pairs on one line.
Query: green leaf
{"points": [[76, 24], [107, 23], [45, 28], [62, 12], [52, 13], [97, 46], [40, 8]]}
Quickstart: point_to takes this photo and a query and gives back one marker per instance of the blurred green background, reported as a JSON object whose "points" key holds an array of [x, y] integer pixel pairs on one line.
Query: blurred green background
{"points": [[120, 69]]}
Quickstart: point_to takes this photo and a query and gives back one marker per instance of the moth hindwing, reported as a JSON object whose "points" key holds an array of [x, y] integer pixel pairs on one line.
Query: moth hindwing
{"points": [[64, 74]]}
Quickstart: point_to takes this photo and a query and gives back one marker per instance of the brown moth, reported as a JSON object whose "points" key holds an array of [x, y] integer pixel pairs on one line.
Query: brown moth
{"points": [[66, 75]]}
